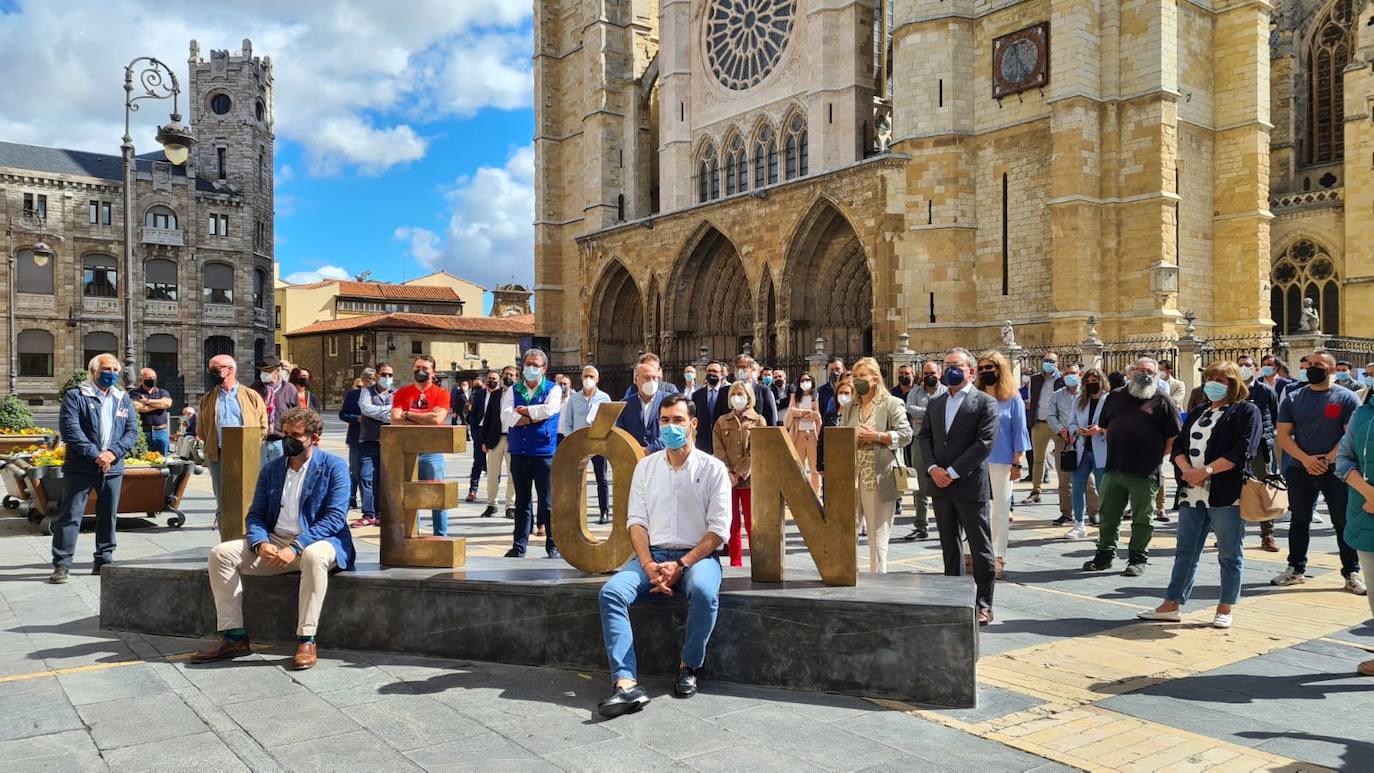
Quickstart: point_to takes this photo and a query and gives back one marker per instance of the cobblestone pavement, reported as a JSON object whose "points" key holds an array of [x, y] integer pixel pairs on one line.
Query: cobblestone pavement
{"points": [[1067, 679]]}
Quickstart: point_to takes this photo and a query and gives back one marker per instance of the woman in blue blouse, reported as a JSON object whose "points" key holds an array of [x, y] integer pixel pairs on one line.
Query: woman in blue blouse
{"points": [[1008, 445]]}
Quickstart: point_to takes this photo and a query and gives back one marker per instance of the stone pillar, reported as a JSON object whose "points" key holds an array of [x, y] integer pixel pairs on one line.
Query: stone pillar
{"points": [[1189, 356], [1302, 344], [1014, 354], [815, 362], [1358, 265], [703, 359], [903, 356], [1092, 346]]}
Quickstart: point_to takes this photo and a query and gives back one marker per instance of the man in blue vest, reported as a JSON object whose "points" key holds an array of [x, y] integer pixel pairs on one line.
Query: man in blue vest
{"points": [[529, 411]]}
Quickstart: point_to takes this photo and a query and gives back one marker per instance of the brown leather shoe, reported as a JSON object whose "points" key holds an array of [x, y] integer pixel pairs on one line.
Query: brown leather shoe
{"points": [[305, 656], [223, 650], [1269, 545], [984, 616]]}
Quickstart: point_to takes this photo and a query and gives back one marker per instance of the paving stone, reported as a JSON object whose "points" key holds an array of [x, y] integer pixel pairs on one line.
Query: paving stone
{"points": [[822, 744], [357, 750], [196, 752], [35, 707], [247, 678], [44, 747], [1332, 750], [939, 745], [410, 722], [673, 733], [613, 756], [114, 724], [483, 752], [751, 756], [993, 702], [278, 721], [110, 684], [76, 761]]}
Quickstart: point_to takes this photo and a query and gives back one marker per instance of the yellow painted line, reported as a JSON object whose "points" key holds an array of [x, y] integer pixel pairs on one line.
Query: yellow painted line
{"points": [[1069, 594], [72, 670]]}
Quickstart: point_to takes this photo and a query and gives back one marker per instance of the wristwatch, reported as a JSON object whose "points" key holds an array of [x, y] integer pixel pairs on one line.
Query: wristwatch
{"points": [[681, 565], [1208, 470]]}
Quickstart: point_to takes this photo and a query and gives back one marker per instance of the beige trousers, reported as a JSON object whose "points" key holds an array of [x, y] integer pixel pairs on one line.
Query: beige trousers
{"points": [[495, 457], [878, 514], [806, 452], [230, 561]]}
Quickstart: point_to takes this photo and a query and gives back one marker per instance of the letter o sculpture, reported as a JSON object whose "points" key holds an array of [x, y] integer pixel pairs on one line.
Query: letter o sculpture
{"points": [[569, 517]]}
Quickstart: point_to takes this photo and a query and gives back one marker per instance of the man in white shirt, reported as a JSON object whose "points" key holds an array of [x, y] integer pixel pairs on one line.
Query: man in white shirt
{"points": [[578, 413], [679, 515]]}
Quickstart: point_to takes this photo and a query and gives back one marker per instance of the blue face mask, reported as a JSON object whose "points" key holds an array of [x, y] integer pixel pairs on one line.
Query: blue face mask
{"points": [[674, 436], [1342, 376], [1214, 390], [954, 376], [1048, 367], [1302, 375], [532, 373], [106, 379], [1071, 380], [1267, 371], [768, 381]]}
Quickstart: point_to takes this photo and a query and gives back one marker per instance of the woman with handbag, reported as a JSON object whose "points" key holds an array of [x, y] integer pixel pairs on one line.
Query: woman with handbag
{"points": [[1210, 458], [1089, 445], [883, 429], [1009, 445], [1355, 466]]}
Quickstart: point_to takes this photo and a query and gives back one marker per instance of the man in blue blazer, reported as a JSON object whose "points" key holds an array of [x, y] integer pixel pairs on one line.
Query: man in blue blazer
{"points": [[298, 522], [640, 417], [98, 423]]}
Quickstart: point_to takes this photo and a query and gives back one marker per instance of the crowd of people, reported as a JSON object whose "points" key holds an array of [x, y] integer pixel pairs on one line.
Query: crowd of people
{"points": [[955, 434]]}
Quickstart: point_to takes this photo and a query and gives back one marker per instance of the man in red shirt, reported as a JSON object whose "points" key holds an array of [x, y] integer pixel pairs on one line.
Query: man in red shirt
{"points": [[424, 404]]}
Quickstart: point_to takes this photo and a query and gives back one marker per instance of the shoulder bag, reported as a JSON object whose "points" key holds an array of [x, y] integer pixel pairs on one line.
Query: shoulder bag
{"points": [[1263, 500]]}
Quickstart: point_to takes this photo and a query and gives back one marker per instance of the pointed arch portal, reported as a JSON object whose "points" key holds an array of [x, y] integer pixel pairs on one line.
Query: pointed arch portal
{"points": [[618, 322], [712, 304], [830, 287]]}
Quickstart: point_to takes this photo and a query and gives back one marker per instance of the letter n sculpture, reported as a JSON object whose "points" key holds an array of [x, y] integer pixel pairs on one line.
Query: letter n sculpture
{"points": [[776, 480], [403, 497]]}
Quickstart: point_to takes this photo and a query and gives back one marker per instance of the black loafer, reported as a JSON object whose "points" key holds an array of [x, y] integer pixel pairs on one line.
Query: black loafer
{"points": [[513, 553], [1097, 566], [553, 553], [623, 701], [510, 513], [686, 684], [98, 565], [489, 512]]}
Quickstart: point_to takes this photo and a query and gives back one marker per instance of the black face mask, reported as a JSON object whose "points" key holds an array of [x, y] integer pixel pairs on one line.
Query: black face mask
{"points": [[1316, 374], [930, 381], [712, 379], [303, 383], [149, 383], [216, 378], [834, 377], [508, 381], [292, 447], [987, 378], [493, 385], [1093, 387], [904, 380], [421, 376]]}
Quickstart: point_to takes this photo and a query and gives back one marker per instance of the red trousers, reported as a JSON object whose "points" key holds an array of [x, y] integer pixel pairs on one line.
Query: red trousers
{"points": [[739, 503]]}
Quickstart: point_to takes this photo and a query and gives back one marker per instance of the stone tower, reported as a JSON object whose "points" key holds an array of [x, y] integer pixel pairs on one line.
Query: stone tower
{"points": [[231, 101], [595, 143]]}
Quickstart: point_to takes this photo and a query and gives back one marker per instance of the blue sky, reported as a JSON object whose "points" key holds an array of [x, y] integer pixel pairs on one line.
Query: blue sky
{"points": [[403, 139]]}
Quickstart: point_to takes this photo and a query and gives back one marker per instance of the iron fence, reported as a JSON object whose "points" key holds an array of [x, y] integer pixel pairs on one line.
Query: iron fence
{"points": [[1356, 351], [1233, 347]]}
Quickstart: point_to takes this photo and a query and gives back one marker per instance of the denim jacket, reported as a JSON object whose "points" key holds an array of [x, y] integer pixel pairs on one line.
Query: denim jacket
{"points": [[79, 425]]}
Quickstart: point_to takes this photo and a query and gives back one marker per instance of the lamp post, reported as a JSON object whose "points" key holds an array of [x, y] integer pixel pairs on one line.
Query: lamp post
{"points": [[155, 81], [29, 221]]}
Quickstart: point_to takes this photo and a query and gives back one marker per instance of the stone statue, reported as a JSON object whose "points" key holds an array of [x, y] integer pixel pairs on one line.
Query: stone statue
{"points": [[1008, 335], [1311, 320], [884, 133]]}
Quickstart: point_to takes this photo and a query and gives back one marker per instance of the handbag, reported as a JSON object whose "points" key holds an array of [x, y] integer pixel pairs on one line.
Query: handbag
{"points": [[904, 476], [1263, 499], [1068, 458]]}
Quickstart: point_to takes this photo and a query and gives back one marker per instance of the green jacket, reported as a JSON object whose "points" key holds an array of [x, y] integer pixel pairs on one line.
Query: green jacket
{"points": [[1357, 453]]}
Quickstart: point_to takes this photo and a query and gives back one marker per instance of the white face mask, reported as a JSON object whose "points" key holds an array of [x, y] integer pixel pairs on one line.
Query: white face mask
{"points": [[649, 388], [1247, 372], [844, 399], [589, 384], [739, 402], [689, 377], [743, 375]]}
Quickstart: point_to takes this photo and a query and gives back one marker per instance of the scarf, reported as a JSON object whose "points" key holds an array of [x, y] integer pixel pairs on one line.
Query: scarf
{"points": [[526, 392]]}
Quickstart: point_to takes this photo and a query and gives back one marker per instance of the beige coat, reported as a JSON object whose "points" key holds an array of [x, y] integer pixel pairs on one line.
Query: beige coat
{"points": [[889, 415], [730, 441], [250, 403]]}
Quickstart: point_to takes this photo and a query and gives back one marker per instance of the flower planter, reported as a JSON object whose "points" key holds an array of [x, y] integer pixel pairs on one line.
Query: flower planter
{"points": [[146, 492]]}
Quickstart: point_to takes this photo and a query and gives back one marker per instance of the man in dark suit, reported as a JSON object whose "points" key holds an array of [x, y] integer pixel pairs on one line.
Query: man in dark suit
{"points": [[666, 387], [711, 404], [297, 523], [476, 421], [640, 416], [765, 404], [495, 446], [956, 438], [825, 394]]}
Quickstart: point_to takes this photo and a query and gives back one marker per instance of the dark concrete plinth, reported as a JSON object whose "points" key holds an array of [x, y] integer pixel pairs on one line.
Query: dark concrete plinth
{"points": [[902, 636]]}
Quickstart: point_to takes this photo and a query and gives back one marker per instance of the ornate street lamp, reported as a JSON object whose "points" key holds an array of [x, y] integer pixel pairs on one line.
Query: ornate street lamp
{"points": [[155, 81]]}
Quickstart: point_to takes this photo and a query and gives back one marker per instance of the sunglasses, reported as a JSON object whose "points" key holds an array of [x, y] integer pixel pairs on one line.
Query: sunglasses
{"points": [[987, 368]]}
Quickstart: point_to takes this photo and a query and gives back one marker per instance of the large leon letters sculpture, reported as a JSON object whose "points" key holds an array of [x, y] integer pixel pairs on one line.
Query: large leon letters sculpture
{"points": [[239, 459], [403, 496], [569, 522]]}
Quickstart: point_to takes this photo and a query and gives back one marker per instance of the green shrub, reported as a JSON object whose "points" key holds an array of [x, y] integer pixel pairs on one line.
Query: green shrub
{"points": [[73, 382], [14, 414]]}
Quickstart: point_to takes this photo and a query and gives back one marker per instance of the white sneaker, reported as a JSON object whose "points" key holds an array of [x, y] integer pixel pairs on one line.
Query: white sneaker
{"points": [[1317, 518], [1355, 584], [1288, 576], [1077, 532], [1160, 617], [1221, 621]]}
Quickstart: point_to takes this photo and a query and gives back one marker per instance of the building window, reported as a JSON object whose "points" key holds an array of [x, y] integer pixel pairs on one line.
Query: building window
{"points": [[796, 148], [261, 111], [160, 217], [221, 104], [95, 212], [417, 347], [1305, 271], [160, 280], [35, 353], [262, 162], [104, 213], [35, 272], [472, 349], [332, 346], [162, 355], [765, 158], [99, 277], [36, 204], [98, 343], [219, 283], [736, 166], [214, 225], [706, 167], [222, 163], [277, 317], [259, 289], [359, 349], [1328, 52]]}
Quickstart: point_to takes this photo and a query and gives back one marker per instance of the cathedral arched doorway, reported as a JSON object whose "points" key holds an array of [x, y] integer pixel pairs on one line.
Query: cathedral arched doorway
{"points": [[712, 305], [768, 307], [618, 318], [829, 287]]}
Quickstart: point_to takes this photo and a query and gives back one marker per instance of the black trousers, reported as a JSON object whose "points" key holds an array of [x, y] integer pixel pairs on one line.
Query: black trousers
{"points": [[1302, 500], [953, 516], [531, 475], [599, 467], [479, 466]]}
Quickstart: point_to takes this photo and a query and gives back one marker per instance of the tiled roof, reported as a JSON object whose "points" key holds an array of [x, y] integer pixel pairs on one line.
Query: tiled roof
{"points": [[79, 163], [519, 325], [384, 291]]}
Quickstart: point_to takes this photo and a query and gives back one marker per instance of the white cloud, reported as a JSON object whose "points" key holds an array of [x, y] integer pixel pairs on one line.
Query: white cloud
{"points": [[490, 233], [319, 274], [355, 80]]}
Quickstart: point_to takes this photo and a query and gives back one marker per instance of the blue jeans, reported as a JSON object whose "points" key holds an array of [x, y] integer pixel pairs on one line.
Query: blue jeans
{"points": [[369, 468], [67, 525], [270, 451], [158, 439], [630, 586], [1086, 465], [527, 472], [355, 456], [1193, 525], [432, 468]]}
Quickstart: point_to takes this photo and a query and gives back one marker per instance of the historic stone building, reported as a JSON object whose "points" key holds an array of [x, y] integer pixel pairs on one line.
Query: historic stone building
{"points": [[1322, 164], [203, 259], [712, 173]]}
